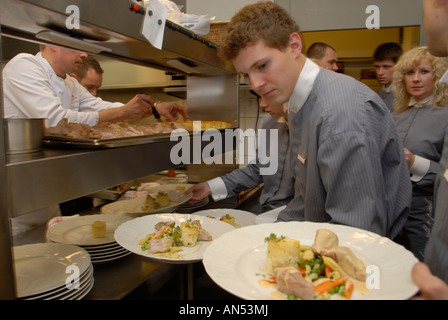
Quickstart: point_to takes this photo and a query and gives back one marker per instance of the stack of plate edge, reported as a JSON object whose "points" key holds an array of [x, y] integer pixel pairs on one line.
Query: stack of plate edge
{"points": [[106, 252], [100, 252], [66, 285], [189, 207]]}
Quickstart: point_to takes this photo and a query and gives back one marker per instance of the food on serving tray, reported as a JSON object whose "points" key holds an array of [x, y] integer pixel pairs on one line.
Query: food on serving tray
{"points": [[114, 130], [168, 238], [321, 271], [99, 229], [109, 130], [162, 200]]}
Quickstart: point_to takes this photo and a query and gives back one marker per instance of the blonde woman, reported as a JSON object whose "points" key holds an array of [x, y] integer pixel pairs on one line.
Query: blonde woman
{"points": [[421, 117]]}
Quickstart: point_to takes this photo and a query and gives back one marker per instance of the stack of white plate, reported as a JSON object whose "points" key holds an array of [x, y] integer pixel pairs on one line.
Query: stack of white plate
{"points": [[52, 271], [191, 207], [78, 231]]}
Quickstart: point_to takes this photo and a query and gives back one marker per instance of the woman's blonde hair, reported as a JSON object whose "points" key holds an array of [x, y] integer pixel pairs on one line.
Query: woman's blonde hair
{"points": [[406, 63], [261, 20]]}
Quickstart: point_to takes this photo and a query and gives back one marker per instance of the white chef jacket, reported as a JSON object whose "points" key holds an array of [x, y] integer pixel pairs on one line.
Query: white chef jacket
{"points": [[33, 90]]}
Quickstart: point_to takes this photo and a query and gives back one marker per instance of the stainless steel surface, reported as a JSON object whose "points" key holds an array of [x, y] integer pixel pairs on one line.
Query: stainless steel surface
{"points": [[103, 143], [24, 135], [28, 18], [213, 98], [7, 282], [53, 176]]}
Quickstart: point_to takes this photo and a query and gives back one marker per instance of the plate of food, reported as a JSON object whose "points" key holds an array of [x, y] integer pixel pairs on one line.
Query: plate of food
{"points": [[237, 218], [171, 238], [88, 230], [305, 260], [156, 201]]}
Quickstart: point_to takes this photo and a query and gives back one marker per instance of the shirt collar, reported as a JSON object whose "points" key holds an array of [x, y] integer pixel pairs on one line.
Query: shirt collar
{"points": [[424, 102], [389, 88], [303, 86], [48, 67], [281, 119]]}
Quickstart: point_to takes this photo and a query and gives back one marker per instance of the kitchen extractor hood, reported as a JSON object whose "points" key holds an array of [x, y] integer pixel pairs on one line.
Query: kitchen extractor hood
{"points": [[111, 28]]}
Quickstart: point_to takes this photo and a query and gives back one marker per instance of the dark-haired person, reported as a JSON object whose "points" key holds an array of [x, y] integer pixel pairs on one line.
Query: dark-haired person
{"points": [[90, 75], [385, 58], [324, 55]]}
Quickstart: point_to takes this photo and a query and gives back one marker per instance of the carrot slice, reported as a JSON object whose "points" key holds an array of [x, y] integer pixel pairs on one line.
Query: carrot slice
{"points": [[348, 289], [328, 271], [327, 286], [271, 280], [161, 233]]}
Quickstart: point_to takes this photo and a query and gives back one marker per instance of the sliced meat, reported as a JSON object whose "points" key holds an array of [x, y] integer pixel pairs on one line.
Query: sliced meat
{"points": [[160, 245], [324, 239], [291, 281], [348, 262], [160, 225], [204, 235]]}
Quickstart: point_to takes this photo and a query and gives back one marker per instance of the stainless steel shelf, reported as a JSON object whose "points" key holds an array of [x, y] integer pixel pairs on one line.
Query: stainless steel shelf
{"points": [[52, 176]]}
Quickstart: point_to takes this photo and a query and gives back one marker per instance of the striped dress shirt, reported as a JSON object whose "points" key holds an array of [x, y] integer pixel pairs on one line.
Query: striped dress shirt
{"points": [[347, 158], [278, 188]]}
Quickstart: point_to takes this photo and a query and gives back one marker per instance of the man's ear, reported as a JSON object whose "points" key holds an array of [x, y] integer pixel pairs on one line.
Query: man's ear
{"points": [[295, 43]]}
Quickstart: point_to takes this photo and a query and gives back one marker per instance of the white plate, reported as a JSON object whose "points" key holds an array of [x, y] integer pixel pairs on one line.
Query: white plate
{"points": [[191, 206], [130, 233], [236, 259], [133, 207], [242, 218], [78, 230], [64, 292], [42, 267]]}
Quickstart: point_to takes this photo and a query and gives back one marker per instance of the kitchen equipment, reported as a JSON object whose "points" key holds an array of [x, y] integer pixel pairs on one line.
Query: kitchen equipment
{"points": [[24, 135]]}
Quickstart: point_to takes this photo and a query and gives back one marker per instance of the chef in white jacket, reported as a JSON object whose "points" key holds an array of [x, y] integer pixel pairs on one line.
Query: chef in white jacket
{"points": [[39, 86]]}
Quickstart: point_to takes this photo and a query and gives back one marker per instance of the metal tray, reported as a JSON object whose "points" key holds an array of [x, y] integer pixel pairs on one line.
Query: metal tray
{"points": [[103, 143]]}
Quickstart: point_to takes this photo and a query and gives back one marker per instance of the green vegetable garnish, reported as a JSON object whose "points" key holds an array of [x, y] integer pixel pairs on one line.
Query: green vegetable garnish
{"points": [[273, 236]]}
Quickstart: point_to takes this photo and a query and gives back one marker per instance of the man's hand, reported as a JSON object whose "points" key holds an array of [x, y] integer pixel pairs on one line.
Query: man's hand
{"points": [[431, 287], [171, 110], [200, 191]]}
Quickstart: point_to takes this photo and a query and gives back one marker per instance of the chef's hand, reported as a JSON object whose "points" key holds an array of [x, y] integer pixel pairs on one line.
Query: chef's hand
{"points": [[171, 110], [138, 107], [431, 287], [410, 157], [200, 191]]}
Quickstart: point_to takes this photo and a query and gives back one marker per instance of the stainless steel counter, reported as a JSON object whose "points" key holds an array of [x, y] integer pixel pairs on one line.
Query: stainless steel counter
{"points": [[52, 176], [38, 180]]}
